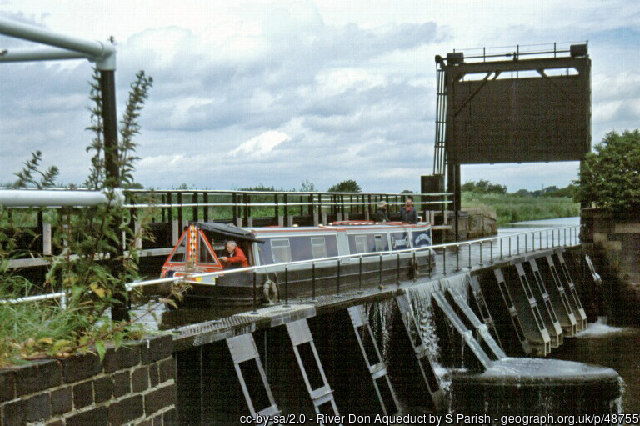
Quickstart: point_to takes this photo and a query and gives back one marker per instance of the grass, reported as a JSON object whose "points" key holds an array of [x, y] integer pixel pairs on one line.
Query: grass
{"points": [[514, 208]]}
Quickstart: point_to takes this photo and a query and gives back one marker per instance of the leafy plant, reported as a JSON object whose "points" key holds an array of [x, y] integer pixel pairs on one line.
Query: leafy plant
{"points": [[90, 265], [31, 175]]}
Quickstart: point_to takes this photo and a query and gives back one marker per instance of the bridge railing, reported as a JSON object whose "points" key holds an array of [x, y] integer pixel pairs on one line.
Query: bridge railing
{"points": [[44, 213], [479, 253], [281, 207]]}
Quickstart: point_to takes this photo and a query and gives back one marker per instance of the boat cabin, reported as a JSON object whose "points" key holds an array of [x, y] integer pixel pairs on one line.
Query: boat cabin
{"points": [[201, 246]]}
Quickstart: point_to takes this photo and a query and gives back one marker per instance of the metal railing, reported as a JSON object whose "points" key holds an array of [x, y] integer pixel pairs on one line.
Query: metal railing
{"points": [[44, 212], [525, 242]]}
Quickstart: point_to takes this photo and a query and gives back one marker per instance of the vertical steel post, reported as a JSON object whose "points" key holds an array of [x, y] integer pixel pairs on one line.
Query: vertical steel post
{"points": [[119, 311], [110, 127], [469, 256], [380, 271], [286, 287], [255, 296], [480, 253], [398, 269], [313, 281], [338, 276], [444, 261], [415, 265], [360, 273]]}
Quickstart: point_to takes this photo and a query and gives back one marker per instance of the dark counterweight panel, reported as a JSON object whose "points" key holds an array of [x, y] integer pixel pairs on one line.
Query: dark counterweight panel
{"points": [[510, 120]]}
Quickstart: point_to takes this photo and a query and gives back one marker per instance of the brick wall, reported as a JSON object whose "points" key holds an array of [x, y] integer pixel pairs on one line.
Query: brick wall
{"points": [[135, 384]]}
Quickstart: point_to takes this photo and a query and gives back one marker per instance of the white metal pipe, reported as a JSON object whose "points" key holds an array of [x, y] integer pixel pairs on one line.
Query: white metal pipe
{"points": [[41, 54], [53, 198], [103, 54]]}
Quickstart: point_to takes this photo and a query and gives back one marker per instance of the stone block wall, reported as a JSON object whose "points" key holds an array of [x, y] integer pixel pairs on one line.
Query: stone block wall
{"points": [[132, 385], [614, 244]]}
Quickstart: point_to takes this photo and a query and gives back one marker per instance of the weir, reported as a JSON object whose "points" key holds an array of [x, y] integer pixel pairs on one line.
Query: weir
{"points": [[412, 346]]}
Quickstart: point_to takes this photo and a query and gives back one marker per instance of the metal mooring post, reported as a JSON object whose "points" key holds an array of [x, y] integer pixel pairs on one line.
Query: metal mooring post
{"points": [[380, 272], [470, 256], [398, 269], [360, 274]]}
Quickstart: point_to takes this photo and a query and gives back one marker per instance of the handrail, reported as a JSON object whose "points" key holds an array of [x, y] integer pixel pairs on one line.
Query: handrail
{"points": [[573, 238]]}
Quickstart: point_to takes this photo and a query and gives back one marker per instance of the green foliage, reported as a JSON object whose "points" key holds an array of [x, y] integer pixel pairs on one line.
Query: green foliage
{"points": [[348, 185], [90, 265], [129, 127], [308, 186], [610, 177], [259, 187], [515, 208], [484, 187], [31, 175]]}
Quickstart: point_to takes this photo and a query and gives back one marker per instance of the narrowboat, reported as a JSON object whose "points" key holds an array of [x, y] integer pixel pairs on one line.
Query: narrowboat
{"points": [[296, 262]]}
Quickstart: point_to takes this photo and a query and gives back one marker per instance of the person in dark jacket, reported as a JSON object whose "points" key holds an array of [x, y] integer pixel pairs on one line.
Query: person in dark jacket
{"points": [[381, 214], [409, 213]]}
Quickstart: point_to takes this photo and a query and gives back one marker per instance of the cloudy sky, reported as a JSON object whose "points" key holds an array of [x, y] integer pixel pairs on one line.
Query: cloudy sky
{"points": [[278, 92]]}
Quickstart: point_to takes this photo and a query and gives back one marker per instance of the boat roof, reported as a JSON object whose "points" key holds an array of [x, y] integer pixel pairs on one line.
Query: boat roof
{"points": [[228, 230], [341, 226]]}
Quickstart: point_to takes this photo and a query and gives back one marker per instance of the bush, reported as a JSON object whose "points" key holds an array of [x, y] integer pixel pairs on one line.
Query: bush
{"points": [[610, 177]]}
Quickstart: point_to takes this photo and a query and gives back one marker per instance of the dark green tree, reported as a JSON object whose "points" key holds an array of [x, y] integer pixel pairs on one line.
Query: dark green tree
{"points": [[610, 177], [348, 185]]}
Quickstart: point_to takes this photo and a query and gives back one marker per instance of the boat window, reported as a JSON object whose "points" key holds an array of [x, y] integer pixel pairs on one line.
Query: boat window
{"points": [[318, 247], [399, 241], [280, 250], [180, 255], [421, 238], [361, 244], [380, 244], [204, 255]]}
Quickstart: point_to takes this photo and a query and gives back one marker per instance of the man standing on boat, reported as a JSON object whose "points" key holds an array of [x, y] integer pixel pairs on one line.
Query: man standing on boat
{"points": [[409, 213], [236, 258], [381, 214]]}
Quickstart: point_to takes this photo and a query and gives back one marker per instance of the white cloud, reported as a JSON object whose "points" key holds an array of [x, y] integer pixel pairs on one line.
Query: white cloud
{"points": [[260, 145], [345, 88]]}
